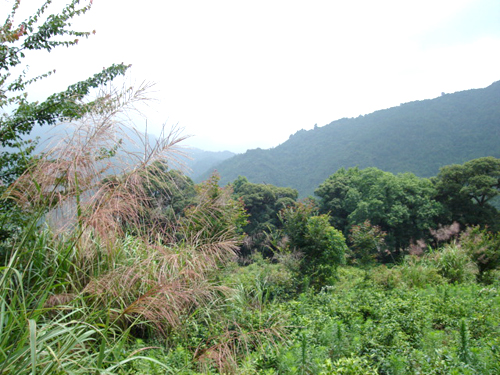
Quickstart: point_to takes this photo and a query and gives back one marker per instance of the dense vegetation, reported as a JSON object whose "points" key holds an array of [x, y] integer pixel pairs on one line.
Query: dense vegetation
{"points": [[418, 137], [113, 262]]}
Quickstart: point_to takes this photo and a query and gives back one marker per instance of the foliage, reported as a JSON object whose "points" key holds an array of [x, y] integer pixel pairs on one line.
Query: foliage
{"points": [[263, 203], [455, 264], [166, 194], [402, 205], [215, 212], [367, 242], [93, 282], [358, 328], [483, 248], [264, 280], [39, 32], [47, 326], [89, 267], [33, 34], [323, 247], [467, 191]]}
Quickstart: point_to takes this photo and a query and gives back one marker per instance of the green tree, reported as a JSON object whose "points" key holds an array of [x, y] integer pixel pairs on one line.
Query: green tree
{"points": [[402, 205], [322, 246], [466, 191], [170, 190], [162, 195], [367, 242], [263, 202], [483, 247]]}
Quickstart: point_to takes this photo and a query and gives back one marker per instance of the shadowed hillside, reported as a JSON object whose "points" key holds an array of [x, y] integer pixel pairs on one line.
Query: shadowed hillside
{"points": [[417, 137]]}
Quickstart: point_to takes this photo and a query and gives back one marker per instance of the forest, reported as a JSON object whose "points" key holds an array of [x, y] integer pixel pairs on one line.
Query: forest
{"points": [[116, 262]]}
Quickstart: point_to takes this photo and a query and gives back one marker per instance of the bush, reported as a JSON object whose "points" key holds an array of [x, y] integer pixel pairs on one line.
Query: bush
{"points": [[263, 280], [455, 264], [483, 248], [413, 273], [323, 247], [367, 242]]}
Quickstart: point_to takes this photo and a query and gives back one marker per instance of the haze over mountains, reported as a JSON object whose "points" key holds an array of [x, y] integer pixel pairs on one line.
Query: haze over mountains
{"points": [[418, 137]]}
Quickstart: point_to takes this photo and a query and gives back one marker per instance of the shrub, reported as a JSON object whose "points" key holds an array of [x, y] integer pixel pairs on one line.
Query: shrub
{"points": [[323, 247], [455, 264], [483, 248], [419, 273], [263, 280], [349, 366]]}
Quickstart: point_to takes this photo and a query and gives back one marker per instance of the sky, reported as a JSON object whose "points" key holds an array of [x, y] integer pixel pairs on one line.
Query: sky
{"points": [[238, 75]]}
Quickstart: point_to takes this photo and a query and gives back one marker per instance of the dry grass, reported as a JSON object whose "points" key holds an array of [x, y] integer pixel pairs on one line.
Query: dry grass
{"points": [[72, 176], [228, 348], [162, 287], [155, 278]]}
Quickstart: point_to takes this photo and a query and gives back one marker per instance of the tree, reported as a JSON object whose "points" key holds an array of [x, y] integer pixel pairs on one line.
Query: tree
{"points": [[170, 190], [402, 205], [322, 246], [19, 115], [367, 242], [263, 202], [467, 190]]}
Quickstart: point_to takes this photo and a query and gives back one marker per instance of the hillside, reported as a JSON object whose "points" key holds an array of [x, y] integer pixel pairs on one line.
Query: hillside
{"points": [[199, 161], [417, 137]]}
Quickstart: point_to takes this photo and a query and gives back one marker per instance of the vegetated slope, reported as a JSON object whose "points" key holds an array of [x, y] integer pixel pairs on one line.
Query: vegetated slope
{"points": [[418, 137], [200, 161]]}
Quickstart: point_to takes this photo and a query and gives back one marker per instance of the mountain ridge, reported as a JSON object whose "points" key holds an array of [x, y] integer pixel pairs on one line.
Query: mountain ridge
{"points": [[419, 137]]}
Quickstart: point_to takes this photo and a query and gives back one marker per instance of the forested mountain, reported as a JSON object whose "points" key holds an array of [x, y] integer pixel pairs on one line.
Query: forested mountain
{"points": [[418, 137]]}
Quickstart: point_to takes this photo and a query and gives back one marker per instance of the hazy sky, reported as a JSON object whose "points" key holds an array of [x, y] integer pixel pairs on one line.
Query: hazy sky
{"points": [[246, 74]]}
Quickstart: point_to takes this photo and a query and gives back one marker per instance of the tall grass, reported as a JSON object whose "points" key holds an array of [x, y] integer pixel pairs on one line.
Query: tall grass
{"points": [[74, 285]]}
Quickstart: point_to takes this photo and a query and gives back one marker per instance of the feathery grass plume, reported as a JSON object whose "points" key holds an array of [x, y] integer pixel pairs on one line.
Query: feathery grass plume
{"points": [[163, 282], [128, 276], [445, 232], [74, 163], [66, 184], [73, 178]]}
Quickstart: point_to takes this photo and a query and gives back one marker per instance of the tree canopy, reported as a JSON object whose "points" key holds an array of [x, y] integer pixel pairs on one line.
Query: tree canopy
{"points": [[263, 203], [403, 205], [467, 191]]}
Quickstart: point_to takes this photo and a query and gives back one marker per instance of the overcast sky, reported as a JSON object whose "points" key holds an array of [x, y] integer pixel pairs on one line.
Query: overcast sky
{"points": [[247, 74]]}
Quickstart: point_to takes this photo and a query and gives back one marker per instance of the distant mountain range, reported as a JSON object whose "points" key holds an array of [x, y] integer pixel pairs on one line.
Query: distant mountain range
{"points": [[200, 161], [418, 137], [193, 164]]}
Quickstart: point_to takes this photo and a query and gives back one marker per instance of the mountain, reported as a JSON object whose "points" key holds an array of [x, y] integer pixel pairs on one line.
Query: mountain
{"points": [[193, 164], [418, 137], [199, 161]]}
